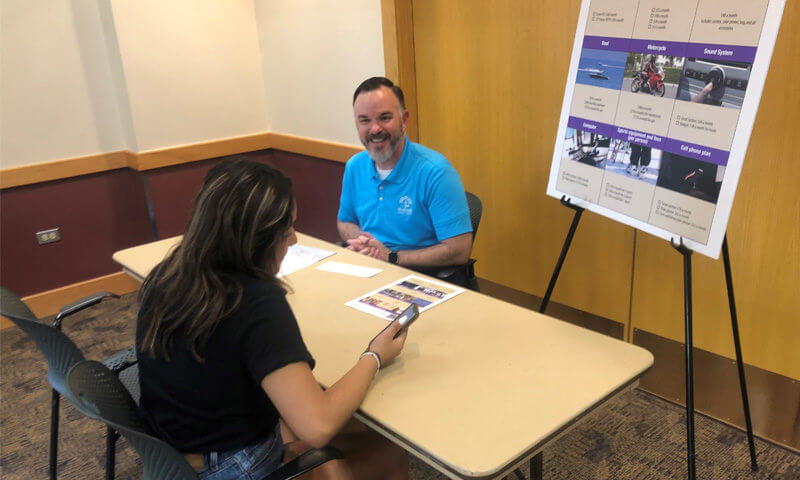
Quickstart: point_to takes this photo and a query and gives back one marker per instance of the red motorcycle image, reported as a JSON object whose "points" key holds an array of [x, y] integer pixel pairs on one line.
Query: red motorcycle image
{"points": [[650, 83]]}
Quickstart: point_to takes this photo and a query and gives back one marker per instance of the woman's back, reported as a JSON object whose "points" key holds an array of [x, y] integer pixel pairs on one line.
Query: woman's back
{"points": [[218, 404]]}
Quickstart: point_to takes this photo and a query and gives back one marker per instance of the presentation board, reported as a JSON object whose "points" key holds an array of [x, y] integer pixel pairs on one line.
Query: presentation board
{"points": [[660, 102]]}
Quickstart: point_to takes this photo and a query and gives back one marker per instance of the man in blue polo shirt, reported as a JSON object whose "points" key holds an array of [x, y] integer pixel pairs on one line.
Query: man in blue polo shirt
{"points": [[401, 202]]}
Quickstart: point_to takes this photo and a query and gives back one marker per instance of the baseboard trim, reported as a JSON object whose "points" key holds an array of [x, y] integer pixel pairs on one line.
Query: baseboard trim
{"points": [[177, 155], [562, 312], [48, 303], [774, 398]]}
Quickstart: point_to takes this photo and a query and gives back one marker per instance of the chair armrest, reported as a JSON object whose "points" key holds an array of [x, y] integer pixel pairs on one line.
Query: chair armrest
{"points": [[80, 304], [446, 272], [305, 462], [121, 360]]}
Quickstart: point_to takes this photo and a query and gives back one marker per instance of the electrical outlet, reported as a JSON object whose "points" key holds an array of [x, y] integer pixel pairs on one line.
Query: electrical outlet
{"points": [[48, 236]]}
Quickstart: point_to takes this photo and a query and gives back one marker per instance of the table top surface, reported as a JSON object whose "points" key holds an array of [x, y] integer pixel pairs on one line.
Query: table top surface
{"points": [[481, 383]]}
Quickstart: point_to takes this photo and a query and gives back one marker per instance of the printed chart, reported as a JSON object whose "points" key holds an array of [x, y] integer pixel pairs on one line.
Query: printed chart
{"points": [[658, 110]]}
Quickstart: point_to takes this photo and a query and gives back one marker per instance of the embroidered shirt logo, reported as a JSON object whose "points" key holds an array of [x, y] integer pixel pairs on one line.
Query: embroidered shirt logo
{"points": [[405, 206]]}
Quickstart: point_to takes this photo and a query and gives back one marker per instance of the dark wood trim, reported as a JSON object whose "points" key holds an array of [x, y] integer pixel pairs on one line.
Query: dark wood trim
{"points": [[178, 155], [55, 170]]}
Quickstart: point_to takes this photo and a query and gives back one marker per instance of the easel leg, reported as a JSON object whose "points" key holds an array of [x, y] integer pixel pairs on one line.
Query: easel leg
{"points": [[739, 363], [687, 294], [578, 211]]}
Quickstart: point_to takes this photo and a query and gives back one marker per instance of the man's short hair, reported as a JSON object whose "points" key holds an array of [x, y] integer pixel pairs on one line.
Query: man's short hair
{"points": [[375, 83]]}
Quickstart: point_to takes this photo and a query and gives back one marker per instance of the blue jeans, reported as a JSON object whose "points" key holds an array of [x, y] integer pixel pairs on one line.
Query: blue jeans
{"points": [[253, 462]]}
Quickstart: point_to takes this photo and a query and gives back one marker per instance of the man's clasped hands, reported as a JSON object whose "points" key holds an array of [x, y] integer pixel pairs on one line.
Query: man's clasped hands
{"points": [[367, 244]]}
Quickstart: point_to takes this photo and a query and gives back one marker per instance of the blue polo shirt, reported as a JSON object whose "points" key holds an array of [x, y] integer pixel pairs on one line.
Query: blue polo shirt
{"points": [[419, 204]]}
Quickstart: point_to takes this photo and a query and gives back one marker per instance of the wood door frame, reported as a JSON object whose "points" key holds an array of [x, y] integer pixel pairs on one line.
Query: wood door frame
{"points": [[398, 51]]}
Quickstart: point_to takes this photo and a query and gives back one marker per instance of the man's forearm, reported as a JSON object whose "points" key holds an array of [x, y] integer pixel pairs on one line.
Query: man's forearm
{"points": [[347, 230], [452, 251]]}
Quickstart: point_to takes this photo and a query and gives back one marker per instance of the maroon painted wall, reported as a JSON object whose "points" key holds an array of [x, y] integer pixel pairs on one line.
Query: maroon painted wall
{"points": [[97, 215], [101, 213], [317, 187]]}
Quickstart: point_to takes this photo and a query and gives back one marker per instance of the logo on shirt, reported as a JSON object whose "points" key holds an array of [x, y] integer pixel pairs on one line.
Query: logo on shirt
{"points": [[405, 206]]}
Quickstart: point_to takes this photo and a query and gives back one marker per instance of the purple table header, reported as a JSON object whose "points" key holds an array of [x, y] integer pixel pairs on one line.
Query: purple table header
{"points": [[584, 125], [721, 52], [640, 138], [606, 43], [621, 133], [657, 47], [710, 51], [698, 152], [686, 149]]}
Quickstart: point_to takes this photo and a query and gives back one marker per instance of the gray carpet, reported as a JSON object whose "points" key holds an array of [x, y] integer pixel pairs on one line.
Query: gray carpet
{"points": [[636, 436]]}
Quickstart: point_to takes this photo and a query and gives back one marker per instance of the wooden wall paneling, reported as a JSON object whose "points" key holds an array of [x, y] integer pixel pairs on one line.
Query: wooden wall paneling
{"points": [[490, 80], [389, 28], [763, 236]]}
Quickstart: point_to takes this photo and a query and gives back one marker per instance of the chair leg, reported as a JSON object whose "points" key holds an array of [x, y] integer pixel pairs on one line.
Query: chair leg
{"points": [[111, 449], [54, 404]]}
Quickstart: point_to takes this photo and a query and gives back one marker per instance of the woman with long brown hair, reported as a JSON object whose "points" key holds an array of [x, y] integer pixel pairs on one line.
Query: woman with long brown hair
{"points": [[224, 373]]}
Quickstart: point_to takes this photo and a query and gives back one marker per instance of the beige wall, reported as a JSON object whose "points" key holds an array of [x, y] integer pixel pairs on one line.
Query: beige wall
{"points": [[192, 70], [314, 55], [81, 78], [57, 98]]}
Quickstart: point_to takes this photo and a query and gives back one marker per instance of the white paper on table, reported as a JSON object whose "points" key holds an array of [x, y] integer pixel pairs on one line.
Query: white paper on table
{"points": [[349, 269], [301, 256], [390, 300]]}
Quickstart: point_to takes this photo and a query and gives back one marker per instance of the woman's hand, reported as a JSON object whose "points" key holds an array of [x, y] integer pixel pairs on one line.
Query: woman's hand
{"points": [[385, 345]]}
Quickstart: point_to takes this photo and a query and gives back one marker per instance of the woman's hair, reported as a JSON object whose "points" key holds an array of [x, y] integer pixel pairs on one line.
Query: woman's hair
{"points": [[239, 222]]}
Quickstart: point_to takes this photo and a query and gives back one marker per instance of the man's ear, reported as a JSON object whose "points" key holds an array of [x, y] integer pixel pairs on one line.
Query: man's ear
{"points": [[405, 120]]}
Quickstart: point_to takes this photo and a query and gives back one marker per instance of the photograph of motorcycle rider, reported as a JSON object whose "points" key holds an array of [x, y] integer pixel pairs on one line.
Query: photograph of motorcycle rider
{"points": [[650, 73]]}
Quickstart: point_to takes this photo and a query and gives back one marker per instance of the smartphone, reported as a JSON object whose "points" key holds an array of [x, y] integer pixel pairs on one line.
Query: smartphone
{"points": [[406, 318]]}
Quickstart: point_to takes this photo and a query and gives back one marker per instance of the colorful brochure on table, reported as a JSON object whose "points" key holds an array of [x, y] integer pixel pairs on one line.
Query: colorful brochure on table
{"points": [[390, 300]]}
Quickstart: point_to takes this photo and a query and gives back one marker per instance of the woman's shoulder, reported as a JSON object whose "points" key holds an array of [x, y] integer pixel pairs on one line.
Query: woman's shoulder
{"points": [[260, 286], [261, 298]]}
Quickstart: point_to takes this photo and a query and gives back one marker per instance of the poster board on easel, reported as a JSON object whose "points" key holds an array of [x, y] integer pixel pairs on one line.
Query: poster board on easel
{"points": [[659, 106]]}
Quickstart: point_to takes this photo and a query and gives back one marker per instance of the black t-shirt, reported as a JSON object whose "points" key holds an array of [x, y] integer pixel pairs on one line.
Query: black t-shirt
{"points": [[219, 405]]}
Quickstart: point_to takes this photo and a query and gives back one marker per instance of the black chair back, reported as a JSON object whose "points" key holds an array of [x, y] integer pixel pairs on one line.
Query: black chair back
{"points": [[59, 351], [99, 394], [475, 212]]}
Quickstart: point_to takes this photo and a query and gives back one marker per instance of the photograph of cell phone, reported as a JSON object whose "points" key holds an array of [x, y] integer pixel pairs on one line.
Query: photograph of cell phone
{"points": [[406, 318]]}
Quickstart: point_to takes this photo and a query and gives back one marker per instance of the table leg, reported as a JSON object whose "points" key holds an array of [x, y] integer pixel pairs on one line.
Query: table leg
{"points": [[536, 467]]}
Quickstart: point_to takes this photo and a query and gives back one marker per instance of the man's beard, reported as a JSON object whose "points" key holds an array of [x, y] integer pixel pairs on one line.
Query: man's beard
{"points": [[385, 155]]}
